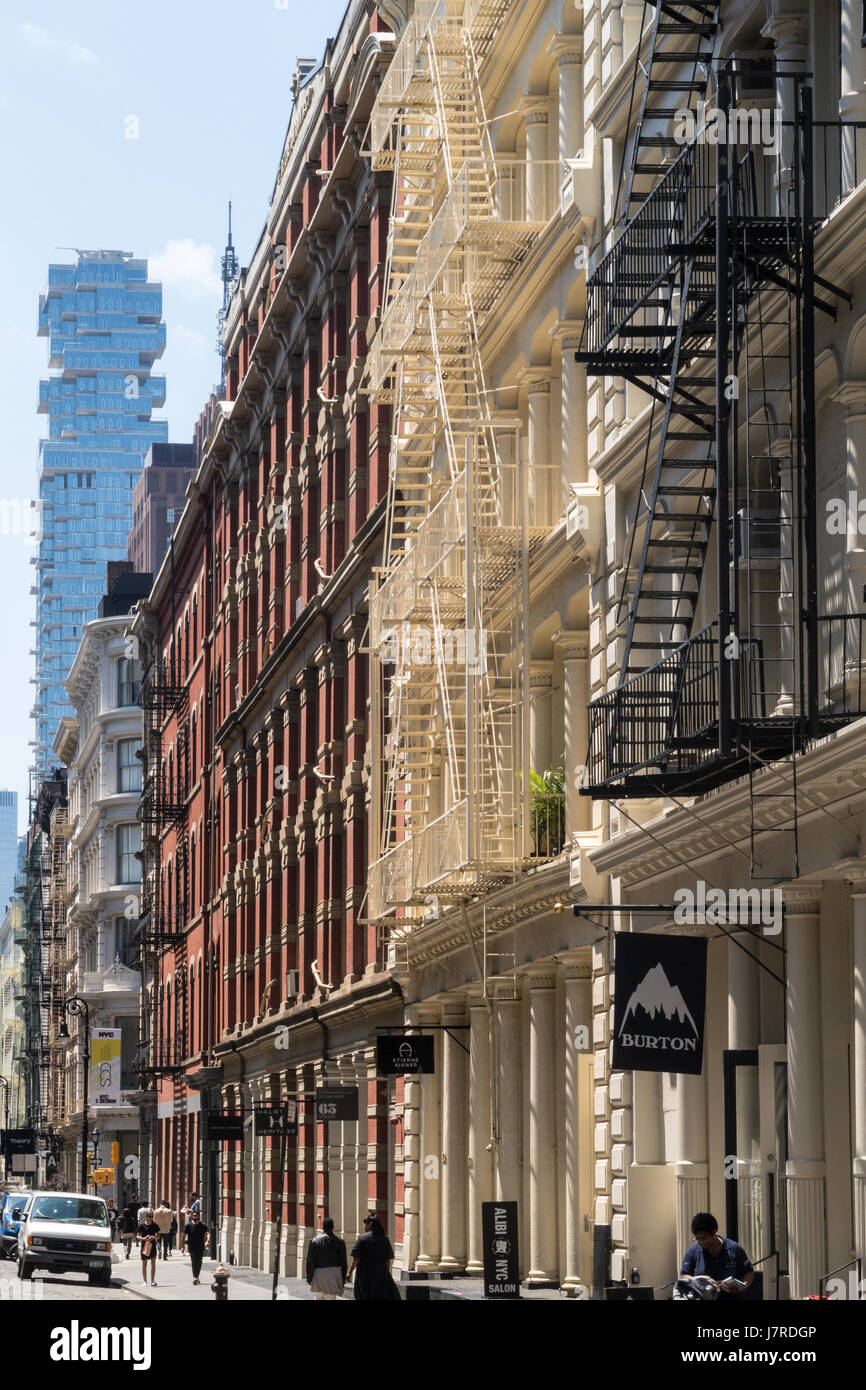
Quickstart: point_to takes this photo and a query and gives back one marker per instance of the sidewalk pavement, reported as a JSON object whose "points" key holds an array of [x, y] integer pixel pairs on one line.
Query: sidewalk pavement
{"points": [[174, 1282]]}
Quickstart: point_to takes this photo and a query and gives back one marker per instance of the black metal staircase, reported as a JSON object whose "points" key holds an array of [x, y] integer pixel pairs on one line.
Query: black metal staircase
{"points": [[675, 77], [677, 306]]}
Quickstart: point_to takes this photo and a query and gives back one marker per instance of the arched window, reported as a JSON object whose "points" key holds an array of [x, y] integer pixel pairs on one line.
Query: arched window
{"points": [[195, 767], [192, 884], [192, 1031]]}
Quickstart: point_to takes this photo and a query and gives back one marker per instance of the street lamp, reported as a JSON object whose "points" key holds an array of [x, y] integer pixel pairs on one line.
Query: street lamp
{"points": [[77, 1006], [4, 1082]]}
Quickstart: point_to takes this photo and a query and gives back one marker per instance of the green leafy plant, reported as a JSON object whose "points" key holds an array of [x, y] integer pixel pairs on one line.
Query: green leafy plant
{"points": [[547, 811]]}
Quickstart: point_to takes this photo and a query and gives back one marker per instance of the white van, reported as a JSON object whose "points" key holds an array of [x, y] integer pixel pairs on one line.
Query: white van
{"points": [[64, 1232]]}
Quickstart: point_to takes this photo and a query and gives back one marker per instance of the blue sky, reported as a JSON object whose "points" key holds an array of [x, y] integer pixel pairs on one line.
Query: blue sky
{"points": [[204, 86]]}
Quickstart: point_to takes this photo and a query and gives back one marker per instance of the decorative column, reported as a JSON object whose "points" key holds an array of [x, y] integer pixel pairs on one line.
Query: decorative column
{"points": [[852, 395], [805, 1170], [857, 880], [578, 1016], [574, 423], [852, 102], [575, 658], [543, 1261], [570, 65], [540, 683], [744, 1035], [539, 446], [454, 1137], [480, 1155], [536, 166], [790, 34], [785, 702], [508, 1182], [430, 1232]]}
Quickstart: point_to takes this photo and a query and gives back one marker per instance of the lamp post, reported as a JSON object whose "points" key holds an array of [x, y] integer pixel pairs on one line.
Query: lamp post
{"points": [[77, 1006], [4, 1082]]}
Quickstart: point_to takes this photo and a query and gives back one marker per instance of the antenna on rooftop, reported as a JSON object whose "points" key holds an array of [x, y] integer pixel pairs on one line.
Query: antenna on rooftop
{"points": [[228, 274]]}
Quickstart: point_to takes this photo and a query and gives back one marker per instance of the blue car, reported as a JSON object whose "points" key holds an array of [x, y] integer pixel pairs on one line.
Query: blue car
{"points": [[9, 1227]]}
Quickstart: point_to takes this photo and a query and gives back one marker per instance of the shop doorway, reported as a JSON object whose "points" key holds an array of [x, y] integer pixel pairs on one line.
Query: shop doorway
{"points": [[756, 1155]]}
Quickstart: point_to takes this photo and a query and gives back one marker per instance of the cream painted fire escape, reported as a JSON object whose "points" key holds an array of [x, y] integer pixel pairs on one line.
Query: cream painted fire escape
{"points": [[447, 614]]}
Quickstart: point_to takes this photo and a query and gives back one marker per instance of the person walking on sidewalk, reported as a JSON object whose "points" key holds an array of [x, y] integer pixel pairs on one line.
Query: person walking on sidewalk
{"points": [[148, 1237], [127, 1226], [113, 1214], [195, 1238], [172, 1233], [327, 1263], [162, 1217], [372, 1254]]}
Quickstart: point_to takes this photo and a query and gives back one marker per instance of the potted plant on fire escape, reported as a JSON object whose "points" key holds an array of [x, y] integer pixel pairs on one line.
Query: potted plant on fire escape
{"points": [[547, 812]]}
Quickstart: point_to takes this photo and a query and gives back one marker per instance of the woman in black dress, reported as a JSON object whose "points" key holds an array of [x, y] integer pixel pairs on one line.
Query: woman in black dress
{"points": [[372, 1254]]}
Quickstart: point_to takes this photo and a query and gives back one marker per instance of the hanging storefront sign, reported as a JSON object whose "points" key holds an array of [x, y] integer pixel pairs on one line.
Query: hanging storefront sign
{"points": [[336, 1102], [18, 1141], [501, 1256], [276, 1119], [105, 1066], [403, 1056], [224, 1126], [658, 1016]]}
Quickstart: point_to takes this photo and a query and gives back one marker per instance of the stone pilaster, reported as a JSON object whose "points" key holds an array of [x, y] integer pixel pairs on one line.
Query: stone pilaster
{"points": [[805, 1170], [543, 1262], [430, 1231], [857, 879], [578, 1026], [480, 1152], [454, 1137], [508, 1178]]}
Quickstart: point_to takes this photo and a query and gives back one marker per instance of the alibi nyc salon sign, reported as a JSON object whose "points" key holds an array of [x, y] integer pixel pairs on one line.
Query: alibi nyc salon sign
{"points": [[658, 1016]]}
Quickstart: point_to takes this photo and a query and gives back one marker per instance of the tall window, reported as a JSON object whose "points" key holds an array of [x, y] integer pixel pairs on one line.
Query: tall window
{"points": [[128, 846], [124, 941], [128, 766], [129, 681]]}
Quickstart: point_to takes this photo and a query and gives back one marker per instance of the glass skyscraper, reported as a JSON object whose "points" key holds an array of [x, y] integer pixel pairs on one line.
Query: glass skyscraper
{"points": [[104, 324], [8, 846]]}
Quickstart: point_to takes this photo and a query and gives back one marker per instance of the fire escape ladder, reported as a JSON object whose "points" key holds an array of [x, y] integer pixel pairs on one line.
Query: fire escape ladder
{"points": [[675, 78], [678, 513]]}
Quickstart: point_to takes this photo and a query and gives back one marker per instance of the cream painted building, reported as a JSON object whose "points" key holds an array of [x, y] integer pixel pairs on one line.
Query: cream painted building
{"points": [[95, 846], [574, 479]]}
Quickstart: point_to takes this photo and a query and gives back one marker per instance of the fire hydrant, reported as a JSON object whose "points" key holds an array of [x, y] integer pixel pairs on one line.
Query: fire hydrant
{"points": [[221, 1284]]}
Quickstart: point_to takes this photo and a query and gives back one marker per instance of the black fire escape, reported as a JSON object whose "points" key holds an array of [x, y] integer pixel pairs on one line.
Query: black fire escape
{"points": [[163, 915], [706, 302]]}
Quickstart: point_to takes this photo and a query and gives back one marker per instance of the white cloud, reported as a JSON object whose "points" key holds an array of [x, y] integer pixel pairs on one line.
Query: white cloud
{"points": [[182, 334], [45, 47], [188, 265]]}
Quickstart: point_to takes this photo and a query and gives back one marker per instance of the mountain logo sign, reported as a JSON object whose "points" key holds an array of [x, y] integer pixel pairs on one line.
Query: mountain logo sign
{"points": [[660, 991]]}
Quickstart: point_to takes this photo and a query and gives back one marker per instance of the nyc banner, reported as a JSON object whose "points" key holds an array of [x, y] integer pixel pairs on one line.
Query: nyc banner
{"points": [[105, 1066]]}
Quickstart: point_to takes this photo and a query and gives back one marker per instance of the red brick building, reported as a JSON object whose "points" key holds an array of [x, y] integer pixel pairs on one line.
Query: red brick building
{"points": [[265, 979], [157, 503]]}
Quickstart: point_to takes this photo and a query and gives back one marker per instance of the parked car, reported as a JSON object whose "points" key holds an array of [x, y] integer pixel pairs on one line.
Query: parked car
{"points": [[8, 1224], [65, 1232]]}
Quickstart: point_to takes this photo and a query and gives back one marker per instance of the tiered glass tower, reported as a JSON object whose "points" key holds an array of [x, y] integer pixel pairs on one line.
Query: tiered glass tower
{"points": [[104, 324]]}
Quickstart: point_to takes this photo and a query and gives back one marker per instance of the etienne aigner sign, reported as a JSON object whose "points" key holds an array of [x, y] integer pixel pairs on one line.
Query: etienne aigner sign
{"points": [[402, 1056], [658, 1015]]}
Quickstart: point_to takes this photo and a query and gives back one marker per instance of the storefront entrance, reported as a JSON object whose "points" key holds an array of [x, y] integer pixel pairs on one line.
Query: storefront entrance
{"points": [[756, 1153]]}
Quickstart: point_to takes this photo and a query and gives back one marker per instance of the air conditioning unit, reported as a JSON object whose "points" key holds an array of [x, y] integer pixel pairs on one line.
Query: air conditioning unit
{"points": [[291, 984], [758, 535]]}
